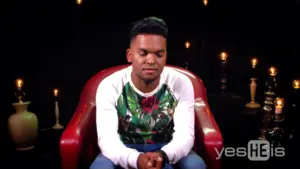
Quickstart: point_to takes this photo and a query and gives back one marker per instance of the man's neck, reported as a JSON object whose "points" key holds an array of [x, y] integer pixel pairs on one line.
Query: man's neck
{"points": [[143, 86]]}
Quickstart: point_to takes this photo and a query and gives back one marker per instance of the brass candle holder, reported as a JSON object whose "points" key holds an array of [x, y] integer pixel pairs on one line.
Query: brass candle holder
{"points": [[223, 57], [253, 86], [57, 124]]}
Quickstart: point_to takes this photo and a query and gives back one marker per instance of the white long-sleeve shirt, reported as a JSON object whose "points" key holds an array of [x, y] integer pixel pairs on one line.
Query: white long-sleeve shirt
{"points": [[125, 115]]}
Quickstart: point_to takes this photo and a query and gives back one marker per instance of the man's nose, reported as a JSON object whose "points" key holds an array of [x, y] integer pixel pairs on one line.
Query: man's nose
{"points": [[151, 58]]}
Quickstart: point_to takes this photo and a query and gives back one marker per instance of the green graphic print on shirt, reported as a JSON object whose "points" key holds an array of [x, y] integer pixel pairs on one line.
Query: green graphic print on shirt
{"points": [[141, 121]]}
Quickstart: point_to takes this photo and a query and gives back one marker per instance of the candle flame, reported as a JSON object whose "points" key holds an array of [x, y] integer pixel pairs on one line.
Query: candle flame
{"points": [[19, 83], [272, 71], [205, 2], [279, 102], [187, 45], [55, 91], [254, 62], [79, 2], [223, 56], [296, 84]]}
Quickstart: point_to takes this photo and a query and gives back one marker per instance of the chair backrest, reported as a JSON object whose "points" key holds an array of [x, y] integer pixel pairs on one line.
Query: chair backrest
{"points": [[89, 91]]}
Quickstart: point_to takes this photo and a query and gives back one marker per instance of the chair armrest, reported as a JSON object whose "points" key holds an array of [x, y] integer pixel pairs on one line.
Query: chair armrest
{"points": [[211, 135], [74, 136]]}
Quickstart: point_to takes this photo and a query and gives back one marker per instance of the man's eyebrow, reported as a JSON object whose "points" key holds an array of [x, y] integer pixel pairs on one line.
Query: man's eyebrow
{"points": [[158, 51]]}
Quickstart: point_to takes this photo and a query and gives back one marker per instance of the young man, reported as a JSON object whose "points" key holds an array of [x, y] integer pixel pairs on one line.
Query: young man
{"points": [[145, 112]]}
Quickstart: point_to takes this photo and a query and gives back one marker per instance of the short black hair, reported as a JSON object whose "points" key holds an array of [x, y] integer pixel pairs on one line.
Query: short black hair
{"points": [[149, 25]]}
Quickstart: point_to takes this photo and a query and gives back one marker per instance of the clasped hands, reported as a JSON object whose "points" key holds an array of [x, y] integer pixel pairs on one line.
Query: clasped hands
{"points": [[150, 160]]}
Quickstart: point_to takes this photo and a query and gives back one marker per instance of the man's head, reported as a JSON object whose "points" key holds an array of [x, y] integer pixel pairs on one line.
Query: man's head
{"points": [[148, 48]]}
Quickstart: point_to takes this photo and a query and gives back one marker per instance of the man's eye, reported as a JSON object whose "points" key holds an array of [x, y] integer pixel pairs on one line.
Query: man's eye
{"points": [[160, 54], [143, 53]]}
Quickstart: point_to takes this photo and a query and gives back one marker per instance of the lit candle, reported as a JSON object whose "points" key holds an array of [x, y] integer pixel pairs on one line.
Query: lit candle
{"points": [[272, 71], [205, 2], [254, 62], [79, 2], [296, 84], [19, 93], [187, 45], [19, 83], [279, 103], [55, 91], [223, 56]]}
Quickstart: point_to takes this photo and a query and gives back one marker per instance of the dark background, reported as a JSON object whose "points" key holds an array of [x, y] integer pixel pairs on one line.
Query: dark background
{"points": [[58, 44]]}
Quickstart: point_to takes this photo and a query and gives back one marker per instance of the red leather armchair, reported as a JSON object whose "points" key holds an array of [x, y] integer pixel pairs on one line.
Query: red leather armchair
{"points": [[78, 143]]}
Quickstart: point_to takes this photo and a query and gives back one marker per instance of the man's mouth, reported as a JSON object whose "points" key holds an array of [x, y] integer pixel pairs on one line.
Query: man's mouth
{"points": [[149, 70]]}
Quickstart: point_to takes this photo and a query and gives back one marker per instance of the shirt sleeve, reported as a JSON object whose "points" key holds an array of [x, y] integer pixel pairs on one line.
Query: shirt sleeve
{"points": [[107, 121], [184, 122]]}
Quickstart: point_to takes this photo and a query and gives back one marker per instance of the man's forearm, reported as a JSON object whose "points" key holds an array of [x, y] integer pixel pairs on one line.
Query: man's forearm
{"points": [[178, 148]]}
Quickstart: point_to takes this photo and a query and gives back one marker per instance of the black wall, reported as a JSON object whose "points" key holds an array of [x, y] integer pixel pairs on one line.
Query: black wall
{"points": [[59, 44]]}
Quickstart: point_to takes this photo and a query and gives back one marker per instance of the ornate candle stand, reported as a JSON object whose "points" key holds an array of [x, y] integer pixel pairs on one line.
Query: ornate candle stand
{"points": [[268, 105]]}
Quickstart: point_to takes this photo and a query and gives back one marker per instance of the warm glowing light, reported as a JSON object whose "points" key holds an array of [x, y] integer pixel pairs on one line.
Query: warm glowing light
{"points": [[19, 83], [223, 56], [296, 84], [254, 62], [272, 71], [279, 102], [55, 91], [205, 2], [187, 45], [79, 2]]}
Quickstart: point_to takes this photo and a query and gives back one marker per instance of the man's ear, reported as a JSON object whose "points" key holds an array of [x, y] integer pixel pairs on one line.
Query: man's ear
{"points": [[129, 55]]}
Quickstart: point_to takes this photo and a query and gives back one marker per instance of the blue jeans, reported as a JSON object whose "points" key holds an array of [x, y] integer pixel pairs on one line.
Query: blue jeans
{"points": [[191, 161]]}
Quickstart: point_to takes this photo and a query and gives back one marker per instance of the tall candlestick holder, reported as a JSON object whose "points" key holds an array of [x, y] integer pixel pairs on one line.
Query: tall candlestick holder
{"points": [[268, 105], [294, 108], [223, 57], [23, 124], [253, 86], [277, 131], [187, 51], [57, 125]]}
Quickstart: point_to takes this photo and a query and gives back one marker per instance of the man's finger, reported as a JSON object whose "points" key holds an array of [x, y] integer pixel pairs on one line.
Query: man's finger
{"points": [[150, 163], [158, 163]]}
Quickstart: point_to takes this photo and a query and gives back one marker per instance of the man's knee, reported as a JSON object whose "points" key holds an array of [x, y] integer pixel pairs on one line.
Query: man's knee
{"points": [[102, 162], [192, 160]]}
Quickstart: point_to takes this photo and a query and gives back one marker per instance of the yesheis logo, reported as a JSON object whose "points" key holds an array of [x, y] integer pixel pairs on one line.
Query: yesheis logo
{"points": [[257, 150]]}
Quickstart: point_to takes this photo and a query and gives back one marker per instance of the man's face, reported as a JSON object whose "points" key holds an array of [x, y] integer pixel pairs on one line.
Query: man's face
{"points": [[148, 55]]}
